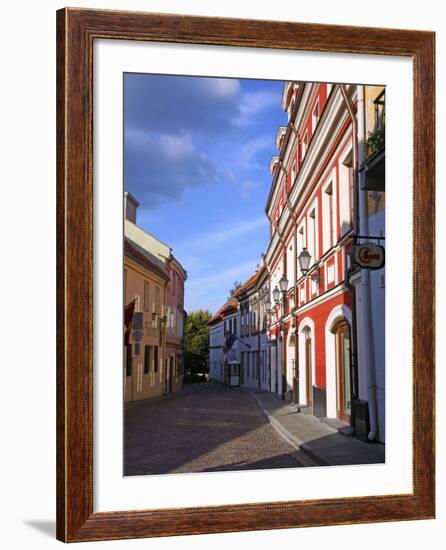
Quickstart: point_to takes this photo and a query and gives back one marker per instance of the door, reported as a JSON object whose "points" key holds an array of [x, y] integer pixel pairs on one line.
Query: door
{"points": [[343, 356], [171, 367], [242, 368], [308, 371], [128, 380]]}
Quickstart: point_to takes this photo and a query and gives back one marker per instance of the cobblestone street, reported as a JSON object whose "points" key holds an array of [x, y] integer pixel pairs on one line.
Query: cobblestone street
{"points": [[208, 428]]}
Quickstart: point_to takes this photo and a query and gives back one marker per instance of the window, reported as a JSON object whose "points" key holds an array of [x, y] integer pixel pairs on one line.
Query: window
{"points": [[290, 265], [304, 145], [315, 116], [146, 359], [155, 358], [146, 295], [128, 362], [301, 244], [157, 300], [379, 105], [312, 235], [346, 193], [235, 325], [293, 173], [328, 217]]}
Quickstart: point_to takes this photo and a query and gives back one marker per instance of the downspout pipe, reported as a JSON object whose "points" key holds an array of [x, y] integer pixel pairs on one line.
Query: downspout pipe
{"points": [[360, 222], [296, 338], [367, 321], [354, 353]]}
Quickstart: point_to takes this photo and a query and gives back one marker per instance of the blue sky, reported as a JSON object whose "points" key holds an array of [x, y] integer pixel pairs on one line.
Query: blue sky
{"points": [[196, 156]]}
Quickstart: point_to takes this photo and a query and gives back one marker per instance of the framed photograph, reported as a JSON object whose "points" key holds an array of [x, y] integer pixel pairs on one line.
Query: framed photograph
{"points": [[245, 222]]}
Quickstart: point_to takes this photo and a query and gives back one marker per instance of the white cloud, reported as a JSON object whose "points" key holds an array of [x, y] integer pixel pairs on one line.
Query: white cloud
{"points": [[223, 234], [249, 150], [223, 87], [253, 103], [248, 186], [211, 291], [240, 271]]}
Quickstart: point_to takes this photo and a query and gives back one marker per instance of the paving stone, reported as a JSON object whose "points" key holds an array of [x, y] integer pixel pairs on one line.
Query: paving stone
{"points": [[208, 428]]}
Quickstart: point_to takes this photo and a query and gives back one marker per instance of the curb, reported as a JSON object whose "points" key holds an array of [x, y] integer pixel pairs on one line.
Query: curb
{"points": [[293, 440]]}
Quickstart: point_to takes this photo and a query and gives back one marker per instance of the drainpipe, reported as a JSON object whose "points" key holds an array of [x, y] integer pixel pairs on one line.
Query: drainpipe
{"points": [[351, 269], [361, 227], [296, 339], [367, 322]]}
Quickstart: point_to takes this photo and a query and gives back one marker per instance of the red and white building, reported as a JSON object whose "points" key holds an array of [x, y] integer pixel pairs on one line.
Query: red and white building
{"points": [[311, 207]]}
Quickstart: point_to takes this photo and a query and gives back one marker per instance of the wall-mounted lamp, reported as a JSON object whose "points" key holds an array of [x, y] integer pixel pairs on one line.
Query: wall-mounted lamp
{"points": [[304, 264]]}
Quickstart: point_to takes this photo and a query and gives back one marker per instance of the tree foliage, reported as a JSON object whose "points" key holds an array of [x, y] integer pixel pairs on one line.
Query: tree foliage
{"points": [[235, 287], [196, 344]]}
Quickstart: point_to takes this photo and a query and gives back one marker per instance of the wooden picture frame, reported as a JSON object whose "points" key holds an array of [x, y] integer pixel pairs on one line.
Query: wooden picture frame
{"points": [[76, 31]]}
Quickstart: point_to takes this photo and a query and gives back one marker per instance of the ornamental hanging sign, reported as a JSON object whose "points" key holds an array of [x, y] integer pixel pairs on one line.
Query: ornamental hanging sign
{"points": [[368, 255]]}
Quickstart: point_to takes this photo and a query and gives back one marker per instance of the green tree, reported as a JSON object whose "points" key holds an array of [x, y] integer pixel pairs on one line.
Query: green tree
{"points": [[196, 345], [235, 287]]}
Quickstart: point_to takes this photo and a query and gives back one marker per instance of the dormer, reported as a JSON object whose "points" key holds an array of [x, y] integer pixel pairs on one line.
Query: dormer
{"points": [[274, 164], [280, 136], [287, 95]]}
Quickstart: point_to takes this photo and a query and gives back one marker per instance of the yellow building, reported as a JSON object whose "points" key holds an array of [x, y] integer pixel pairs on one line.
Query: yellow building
{"points": [[374, 148], [145, 297]]}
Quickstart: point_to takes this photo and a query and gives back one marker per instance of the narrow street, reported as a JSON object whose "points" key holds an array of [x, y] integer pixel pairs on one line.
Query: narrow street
{"points": [[209, 428]]}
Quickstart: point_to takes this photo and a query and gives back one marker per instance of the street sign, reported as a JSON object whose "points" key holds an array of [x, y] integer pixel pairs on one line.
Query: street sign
{"points": [[368, 255]]}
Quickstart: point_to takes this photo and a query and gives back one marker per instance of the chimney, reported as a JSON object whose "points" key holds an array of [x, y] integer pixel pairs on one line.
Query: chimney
{"points": [[130, 207]]}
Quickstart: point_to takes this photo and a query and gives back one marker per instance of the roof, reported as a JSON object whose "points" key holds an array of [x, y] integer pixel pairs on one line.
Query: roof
{"points": [[231, 306], [249, 283], [132, 252]]}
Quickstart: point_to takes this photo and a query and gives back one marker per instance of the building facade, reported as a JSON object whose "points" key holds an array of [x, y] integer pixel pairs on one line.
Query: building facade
{"points": [[145, 292], [241, 325], [153, 312], [318, 211], [224, 358], [175, 326], [369, 285], [310, 208]]}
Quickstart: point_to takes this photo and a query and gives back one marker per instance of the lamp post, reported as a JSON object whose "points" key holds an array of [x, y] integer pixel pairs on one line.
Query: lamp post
{"points": [[276, 294], [304, 264], [283, 284], [304, 261]]}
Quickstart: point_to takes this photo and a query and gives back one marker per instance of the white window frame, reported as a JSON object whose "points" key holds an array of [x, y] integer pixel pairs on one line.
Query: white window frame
{"points": [[315, 119], [327, 241]]}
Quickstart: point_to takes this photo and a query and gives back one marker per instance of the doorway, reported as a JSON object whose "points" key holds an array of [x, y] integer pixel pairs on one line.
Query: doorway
{"points": [[343, 370], [308, 368]]}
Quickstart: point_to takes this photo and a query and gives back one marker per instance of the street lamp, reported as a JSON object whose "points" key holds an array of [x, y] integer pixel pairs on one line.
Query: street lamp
{"points": [[283, 284], [304, 261], [276, 294], [268, 305]]}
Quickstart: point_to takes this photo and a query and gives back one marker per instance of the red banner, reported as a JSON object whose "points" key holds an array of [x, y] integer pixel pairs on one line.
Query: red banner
{"points": [[129, 310]]}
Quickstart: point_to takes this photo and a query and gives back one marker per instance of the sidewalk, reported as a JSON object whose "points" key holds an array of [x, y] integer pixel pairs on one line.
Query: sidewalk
{"points": [[324, 444]]}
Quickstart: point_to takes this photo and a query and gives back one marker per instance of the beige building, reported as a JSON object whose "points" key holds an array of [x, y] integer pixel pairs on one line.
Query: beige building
{"points": [[153, 312], [145, 292]]}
